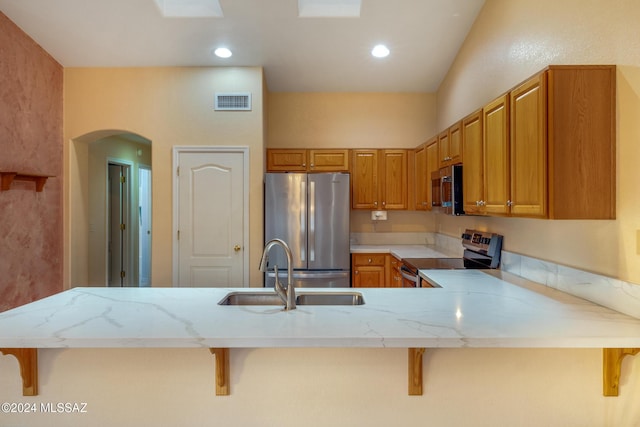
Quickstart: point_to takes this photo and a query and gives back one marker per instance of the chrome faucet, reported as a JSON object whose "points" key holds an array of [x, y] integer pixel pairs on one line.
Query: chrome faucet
{"points": [[287, 295]]}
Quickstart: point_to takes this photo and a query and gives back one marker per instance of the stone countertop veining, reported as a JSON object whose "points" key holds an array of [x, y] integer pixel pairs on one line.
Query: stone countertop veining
{"points": [[404, 251], [472, 309]]}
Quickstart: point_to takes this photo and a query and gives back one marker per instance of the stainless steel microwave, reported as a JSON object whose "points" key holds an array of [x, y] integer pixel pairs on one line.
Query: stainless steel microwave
{"points": [[446, 190]]}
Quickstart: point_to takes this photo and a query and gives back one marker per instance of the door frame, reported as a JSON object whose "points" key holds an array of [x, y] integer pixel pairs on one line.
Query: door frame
{"points": [[179, 149]]}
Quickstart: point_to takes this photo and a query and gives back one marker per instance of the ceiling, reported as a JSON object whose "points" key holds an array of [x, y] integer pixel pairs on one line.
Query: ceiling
{"points": [[299, 54]]}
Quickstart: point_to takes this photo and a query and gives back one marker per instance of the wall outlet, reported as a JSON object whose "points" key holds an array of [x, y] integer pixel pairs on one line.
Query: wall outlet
{"points": [[378, 215]]}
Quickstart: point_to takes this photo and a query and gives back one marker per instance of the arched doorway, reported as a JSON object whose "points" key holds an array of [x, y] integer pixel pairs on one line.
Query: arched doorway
{"points": [[110, 210]]}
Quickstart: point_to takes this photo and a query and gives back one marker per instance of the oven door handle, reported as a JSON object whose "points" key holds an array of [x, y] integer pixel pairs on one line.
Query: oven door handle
{"points": [[410, 275]]}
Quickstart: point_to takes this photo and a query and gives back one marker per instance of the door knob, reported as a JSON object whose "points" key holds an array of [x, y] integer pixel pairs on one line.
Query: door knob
{"points": [[237, 248]]}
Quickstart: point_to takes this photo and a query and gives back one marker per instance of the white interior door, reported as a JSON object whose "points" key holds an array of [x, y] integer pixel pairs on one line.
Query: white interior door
{"points": [[211, 217]]}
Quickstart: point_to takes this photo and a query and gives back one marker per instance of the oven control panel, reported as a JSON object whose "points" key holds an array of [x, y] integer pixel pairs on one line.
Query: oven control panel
{"points": [[482, 241]]}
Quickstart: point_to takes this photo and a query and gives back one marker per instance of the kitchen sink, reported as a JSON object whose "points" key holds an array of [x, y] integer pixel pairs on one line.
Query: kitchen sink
{"points": [[332, 298], [302, 298]]}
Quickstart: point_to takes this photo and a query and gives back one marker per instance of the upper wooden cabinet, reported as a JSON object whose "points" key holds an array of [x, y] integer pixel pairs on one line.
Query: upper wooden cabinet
{"points": [[433, 164], [421, 179], [528, 148], [379, 179], [450, 145], [473, 168], [302, 160], [548, 148], [582, 142], [495, 116]]}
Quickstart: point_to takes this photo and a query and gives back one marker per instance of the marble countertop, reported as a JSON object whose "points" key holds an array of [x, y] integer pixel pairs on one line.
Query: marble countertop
{"points": [[472, 309], [404, 251]]}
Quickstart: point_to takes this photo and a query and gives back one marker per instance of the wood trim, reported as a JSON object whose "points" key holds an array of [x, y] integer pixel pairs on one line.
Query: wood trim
{"points": [[222, 371], [415, 371], [611, 367], [28, 361]]}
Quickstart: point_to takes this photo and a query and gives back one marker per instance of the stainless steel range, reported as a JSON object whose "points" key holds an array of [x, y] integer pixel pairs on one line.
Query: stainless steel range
{"points": [[481, 250]]}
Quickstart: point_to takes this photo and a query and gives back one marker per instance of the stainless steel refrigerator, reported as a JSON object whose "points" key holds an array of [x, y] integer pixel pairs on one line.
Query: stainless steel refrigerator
{"points": [[310, 212]]}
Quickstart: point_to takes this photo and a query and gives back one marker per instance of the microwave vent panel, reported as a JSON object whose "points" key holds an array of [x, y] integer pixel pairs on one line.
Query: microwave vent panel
{"points": [[237, 101]]}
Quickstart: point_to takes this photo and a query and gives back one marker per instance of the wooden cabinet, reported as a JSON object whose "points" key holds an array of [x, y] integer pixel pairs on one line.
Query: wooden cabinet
{"points": [[369, 270], [450, 145], [395, 275], [433, 164], [326, 160], [303, 160], [473, 167], [581, 142], [528, 148], [548, 148], [289, 160], [421, 179], [495, 116], [379, 179]]}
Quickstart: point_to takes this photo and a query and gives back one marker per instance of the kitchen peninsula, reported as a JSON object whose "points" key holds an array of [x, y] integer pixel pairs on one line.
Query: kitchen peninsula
{"points": [[471, 309]]}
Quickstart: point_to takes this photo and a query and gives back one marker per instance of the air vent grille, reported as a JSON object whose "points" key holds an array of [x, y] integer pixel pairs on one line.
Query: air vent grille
{"points": [[233, 101]]}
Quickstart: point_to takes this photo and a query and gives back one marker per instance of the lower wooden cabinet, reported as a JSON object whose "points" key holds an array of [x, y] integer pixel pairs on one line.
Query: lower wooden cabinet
{"points": [[369, 270]]}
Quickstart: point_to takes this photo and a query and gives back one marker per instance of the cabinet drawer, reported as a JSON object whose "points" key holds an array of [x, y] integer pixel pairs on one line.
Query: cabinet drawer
{"points": [[369, 259]]}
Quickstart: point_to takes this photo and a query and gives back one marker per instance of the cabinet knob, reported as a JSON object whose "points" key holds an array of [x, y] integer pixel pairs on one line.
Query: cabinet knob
{"points": [[369, 260], [312, 165], [237, 248], [384, 203], [375, 203], [357, 272], [304, 165], [509, 203]]}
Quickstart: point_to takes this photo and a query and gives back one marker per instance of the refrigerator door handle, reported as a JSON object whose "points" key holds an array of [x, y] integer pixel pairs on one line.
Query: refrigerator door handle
{"points": [[303, 218], [312, 221]]}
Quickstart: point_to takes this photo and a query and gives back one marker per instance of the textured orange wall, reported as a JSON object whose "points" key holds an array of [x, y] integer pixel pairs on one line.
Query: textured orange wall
{"points": [[30, 141]]}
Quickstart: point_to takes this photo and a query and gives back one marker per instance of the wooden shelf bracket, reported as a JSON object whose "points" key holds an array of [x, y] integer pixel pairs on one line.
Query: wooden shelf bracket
{"points": [[28, 360], [6, 178], [222, 371], [415, 371], [611, 367]]}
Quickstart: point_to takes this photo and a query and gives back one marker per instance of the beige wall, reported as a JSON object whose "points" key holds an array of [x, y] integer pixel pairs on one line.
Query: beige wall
{"points": [[170, 107], [513, 39], [356, 120]]}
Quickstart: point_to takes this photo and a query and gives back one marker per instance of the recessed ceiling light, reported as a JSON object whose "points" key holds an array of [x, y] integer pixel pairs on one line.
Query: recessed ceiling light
{"points": [[222, 52], [380, 51]]}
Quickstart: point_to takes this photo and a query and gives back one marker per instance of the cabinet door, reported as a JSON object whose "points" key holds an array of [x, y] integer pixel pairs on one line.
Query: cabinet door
{"points": [[394, 179], [473, 165], [528, 148], [328, 160], [364, 179], [421, 179], [455, 144], [370, 276], [433, 164], [286, 160], [496, 155], [443, 148]]}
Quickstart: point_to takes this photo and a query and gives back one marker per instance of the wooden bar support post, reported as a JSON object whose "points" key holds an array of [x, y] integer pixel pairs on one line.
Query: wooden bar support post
{"points": [[415, 371], [222, 370], [28, 361], [611, 366]]}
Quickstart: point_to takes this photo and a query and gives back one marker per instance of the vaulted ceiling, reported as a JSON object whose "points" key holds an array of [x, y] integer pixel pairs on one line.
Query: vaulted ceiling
{"points": [[322, 51]]}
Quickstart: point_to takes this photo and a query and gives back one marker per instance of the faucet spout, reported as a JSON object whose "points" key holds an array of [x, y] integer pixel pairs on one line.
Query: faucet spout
{"points": [[288, 294]]}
